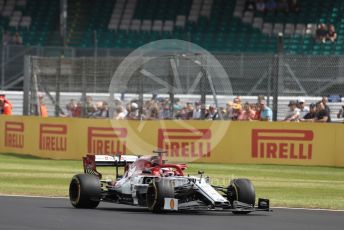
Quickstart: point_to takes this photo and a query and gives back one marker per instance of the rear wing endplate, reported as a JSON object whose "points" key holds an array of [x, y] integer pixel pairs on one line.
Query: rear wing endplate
{"points": [[90, 162]]}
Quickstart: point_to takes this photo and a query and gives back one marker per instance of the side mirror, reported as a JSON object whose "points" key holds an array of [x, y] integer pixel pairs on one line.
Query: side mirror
{"points": [[200, 173]]}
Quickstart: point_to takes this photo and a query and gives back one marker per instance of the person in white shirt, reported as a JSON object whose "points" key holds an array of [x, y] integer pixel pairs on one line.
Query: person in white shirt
{"points": [[303, 109], [293, 113], [120, 113], [196, 114]]}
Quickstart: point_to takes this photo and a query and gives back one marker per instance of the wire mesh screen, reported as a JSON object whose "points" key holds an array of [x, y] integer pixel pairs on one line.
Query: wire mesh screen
{"points": [[181, 74], [74, 74]]}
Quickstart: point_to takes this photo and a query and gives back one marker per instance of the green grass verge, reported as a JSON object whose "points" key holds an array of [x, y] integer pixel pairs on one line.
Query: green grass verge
{"points": [[293, 186]]}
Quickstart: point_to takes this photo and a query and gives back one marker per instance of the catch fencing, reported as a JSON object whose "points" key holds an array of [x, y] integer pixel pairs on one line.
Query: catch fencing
{"points": [[185, 76]]}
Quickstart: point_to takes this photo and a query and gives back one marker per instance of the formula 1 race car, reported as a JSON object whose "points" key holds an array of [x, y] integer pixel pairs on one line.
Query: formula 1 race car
{"points": [[150, 182]]}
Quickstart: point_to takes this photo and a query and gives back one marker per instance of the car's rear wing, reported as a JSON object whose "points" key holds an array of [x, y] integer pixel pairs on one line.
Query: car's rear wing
{"points": [[90, 162], [119, 160]]}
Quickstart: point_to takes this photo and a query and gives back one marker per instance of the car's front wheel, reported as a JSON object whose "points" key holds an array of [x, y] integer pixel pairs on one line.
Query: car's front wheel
{"points": [[241, 190], [85, 191], [156, 192]]}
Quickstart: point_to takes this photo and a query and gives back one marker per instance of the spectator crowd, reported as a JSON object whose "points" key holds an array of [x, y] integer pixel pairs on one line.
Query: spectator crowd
{"points": [[236, 110], [163, 109]]}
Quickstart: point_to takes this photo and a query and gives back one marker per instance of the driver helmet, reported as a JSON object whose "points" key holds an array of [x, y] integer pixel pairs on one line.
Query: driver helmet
{"points": [[155, 161]]}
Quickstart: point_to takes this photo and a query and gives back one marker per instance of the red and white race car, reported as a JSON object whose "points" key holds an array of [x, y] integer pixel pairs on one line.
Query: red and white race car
{"points": [[150, 182]]}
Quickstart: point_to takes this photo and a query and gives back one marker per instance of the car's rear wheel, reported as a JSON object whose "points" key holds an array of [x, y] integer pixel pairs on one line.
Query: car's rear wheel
{"points": [[85, 191], [156, 192], [241, 190]]}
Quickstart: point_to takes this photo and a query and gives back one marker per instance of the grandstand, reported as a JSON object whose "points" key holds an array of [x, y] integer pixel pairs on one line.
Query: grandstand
{"points": [[34, 19], [243, 40], [217, 25]]}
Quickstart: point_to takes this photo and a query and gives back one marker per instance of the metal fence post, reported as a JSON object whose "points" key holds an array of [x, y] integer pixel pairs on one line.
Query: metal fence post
{"points": [[58, 87], [203, 95], [3, 67], [171, 89], [27, 83], [84, 88], [276, 77]]}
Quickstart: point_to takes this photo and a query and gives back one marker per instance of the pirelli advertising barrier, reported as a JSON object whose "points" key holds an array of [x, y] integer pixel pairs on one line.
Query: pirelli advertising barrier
{"points": [[199, 141]]}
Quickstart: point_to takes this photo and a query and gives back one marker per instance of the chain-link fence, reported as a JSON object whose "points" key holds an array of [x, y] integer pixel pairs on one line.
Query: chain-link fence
{"points": [[12, 59], [189, 76]]}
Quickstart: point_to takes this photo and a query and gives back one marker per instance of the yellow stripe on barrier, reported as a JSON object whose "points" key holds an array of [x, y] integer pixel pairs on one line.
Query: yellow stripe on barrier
{"points": [[199, 141]]}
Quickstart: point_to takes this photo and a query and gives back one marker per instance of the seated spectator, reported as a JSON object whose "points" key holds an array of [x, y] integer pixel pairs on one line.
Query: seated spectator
{"points": [[250, 5], [196, 113], [303, 109], [133, 113], [165, 111], [340, 113], [271, 6], [237, 99], [236, 111], [120, 113], [211, 114], [321, 33], [90, 108], [322, 114], [98, 107], [182, 114], [247, 113], [177, 105], [310, 116], [223, 112], [79, 109], [71, 108], [294, 113], [105, 113], [229, 111], [324, 100], [331, 35], [154, 113], [265, 111], [102, 110], [189, 110], [17, 39], [256, 109], [260, 5]]}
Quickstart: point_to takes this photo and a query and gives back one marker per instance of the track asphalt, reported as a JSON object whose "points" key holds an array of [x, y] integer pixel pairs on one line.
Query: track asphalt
{"points": [[27, 213]]}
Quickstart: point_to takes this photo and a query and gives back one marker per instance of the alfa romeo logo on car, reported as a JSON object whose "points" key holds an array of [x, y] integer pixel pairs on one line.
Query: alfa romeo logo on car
{"points": [[171, 70]]}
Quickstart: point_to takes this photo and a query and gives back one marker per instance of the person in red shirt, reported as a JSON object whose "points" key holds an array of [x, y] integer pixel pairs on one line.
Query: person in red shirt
{"points": [[256, 109], [5, 106]]}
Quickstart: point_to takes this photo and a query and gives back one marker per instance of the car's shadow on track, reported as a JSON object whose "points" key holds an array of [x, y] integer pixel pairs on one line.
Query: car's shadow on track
{"points": [[136, 210], [189, 213]]}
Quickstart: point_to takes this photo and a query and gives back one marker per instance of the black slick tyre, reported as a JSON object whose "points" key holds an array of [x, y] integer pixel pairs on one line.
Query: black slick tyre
{"points": [[241, 190], [85, 191], [156, 192]]}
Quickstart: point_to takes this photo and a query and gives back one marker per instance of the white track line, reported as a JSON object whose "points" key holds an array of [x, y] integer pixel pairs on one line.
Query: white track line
{"points": [[310, 209], [27, 196], [286, 208]]}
